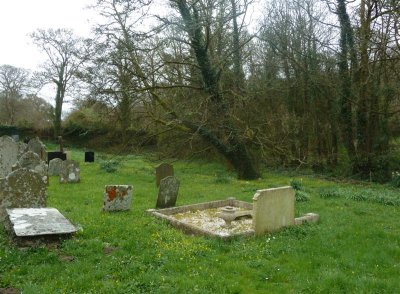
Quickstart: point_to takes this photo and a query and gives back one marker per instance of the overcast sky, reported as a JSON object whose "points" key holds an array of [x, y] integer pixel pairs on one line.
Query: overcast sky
{"points": [[18, 18]]}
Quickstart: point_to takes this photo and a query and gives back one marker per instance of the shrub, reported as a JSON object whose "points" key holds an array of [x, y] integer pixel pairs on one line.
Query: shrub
{"points": [[301, 196], [297, 184], [328, 192], [109, 166], [395, 179]]}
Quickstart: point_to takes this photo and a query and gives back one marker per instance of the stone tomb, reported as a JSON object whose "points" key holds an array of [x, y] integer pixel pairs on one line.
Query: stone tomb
{"points": [[55, 166], [162, 171], [168, 192], [70, 172], [117, 197], [9, 152], [272, 209], [23, 188], [89, 156], [29, 222]]}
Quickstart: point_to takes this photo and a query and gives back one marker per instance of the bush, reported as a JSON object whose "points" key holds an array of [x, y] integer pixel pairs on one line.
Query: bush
{"points": [[328, 192], [395, 179], [110, 166], [297, 184], [301, 196]]}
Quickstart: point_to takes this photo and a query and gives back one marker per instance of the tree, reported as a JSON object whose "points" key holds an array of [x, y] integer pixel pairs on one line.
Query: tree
{"points": [[66, 54], [13, 82]]}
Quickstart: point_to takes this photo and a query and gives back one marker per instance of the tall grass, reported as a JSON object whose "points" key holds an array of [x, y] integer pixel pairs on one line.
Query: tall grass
{"points": [[354, 249]]}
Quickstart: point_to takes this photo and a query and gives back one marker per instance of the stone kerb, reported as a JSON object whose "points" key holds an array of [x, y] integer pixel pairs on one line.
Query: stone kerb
{"points": [[273, 209], [168, 192], [9, 151], [70, 172], [22, 188], [117, 197]]}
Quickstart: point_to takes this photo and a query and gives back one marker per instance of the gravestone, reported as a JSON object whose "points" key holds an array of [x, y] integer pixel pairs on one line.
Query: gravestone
{"points": [[89, 156], [32, 161], [162, 171], [38, 147], [56, 154], [15, 138], [117, 197], [55, 167], [273, 209], [70, 172], [22, 188], [9, 151], [168, 192]]}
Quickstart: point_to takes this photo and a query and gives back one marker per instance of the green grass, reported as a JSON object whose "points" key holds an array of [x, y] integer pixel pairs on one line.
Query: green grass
{"points": [[354, 249]]}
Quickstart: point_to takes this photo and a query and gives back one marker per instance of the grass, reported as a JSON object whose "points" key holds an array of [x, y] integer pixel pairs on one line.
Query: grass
{"points": [[354, 249]]}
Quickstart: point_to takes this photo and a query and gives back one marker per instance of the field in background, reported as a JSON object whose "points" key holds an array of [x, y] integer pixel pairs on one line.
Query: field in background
{"points": [[355, 248]]}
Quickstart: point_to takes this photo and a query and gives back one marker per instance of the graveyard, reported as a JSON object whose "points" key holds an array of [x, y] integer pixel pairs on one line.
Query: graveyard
{"points": [[113, 243]]}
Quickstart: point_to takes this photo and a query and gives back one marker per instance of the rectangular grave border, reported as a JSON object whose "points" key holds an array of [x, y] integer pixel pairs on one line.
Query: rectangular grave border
{"points": [[165, 214]]}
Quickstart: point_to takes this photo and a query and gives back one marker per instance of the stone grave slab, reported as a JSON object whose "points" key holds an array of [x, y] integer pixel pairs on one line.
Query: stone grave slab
{"points": [[22, 188], [162, 171], [55, 166], [38, 147], [31, 222], [89, 156], [9, 151], [273, 209], [168, 192], [70, 172], [117, 197]]}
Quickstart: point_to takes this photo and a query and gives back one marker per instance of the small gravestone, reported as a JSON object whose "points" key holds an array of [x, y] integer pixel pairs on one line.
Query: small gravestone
{"points": [[9, 151], [168, 192], [56, 154], [32, 161], [162, 171], [55, 167], [89, 156], [38, 147], [117, 197], [22, 188], [70, 172], [273, 209]]}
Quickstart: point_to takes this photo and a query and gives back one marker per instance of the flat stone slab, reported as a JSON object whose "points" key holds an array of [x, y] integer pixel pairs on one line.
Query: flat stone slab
{"points": [[31, 222]]}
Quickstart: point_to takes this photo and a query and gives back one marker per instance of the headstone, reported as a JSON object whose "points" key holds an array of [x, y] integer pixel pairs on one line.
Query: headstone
{"points": [[55, 166], [32, 222], [117, 197], [168, 192], [273, 209], [56, 154], [23, 188], [15, 138], [38, 147], [70, 172], [9, 151], [68, 155], [32, 161], [162, 171], [89, 156]]}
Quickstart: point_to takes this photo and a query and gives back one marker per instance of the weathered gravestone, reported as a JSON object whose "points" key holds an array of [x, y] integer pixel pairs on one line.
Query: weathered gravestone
{"points": [[273, 209], [56, 154], [168, 192], [70, 172], [15, 138], [9, 151], [22, 188], [162, 171], [32, 161], [89, 156], [38, 147], [117, 197], [55, 166]]}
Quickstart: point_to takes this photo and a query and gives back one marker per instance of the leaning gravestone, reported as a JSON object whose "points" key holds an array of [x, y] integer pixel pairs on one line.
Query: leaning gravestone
{"points": [[70, 172], [117, 197], [162, 171], [55, 166], [22, 188], [9, 151], [32, 161], [38, 147], [168, 192]]}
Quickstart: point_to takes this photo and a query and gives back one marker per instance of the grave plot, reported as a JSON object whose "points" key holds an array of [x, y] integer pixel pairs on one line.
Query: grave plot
{"points": [[30, 226], [271, 210]]}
